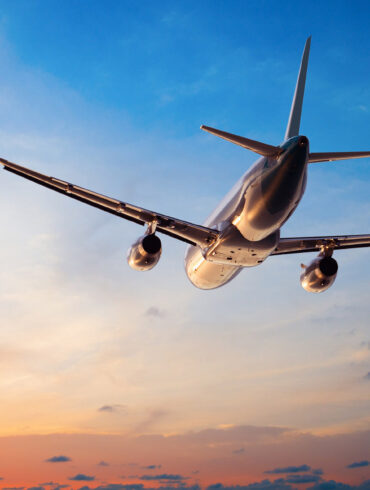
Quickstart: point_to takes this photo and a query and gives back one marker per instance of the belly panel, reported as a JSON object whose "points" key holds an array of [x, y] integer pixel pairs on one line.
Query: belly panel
{"points": [[207, 275]]}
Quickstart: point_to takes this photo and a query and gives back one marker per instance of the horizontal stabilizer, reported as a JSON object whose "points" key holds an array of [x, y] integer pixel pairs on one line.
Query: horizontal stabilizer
{"points": [[256, 146], [330, 157]]}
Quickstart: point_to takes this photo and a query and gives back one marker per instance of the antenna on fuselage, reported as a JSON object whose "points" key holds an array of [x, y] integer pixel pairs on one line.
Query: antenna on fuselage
{"points": [[296, 108]]}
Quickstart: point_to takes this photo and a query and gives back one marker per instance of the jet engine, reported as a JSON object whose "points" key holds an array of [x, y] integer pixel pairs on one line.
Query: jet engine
{"points": [[145, 252], [319, 275]]}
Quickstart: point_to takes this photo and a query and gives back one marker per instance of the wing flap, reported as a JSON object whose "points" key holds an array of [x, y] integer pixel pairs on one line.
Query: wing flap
{"points": [[315, 244], [182, 230]]}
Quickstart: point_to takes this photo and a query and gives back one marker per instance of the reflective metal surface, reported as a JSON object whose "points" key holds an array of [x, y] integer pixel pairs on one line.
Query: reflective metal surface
{"points": [[250, 217], [245, 228], [145, 253], [319, 275]]}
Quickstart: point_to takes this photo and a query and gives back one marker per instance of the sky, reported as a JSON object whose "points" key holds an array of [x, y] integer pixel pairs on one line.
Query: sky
{"points": [[113, 379]]}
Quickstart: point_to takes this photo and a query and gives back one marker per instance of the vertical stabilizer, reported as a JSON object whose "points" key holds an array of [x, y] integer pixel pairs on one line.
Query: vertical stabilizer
{"points": [[296, 109]]}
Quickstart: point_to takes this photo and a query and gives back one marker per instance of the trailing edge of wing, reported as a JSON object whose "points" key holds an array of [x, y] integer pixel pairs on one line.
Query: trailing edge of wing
{"points": [[256, 146], [182, 230], [331, 157], [315, 244]]}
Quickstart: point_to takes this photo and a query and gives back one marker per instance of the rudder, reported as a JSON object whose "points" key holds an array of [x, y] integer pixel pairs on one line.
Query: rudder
{"points": [[296, 108]]}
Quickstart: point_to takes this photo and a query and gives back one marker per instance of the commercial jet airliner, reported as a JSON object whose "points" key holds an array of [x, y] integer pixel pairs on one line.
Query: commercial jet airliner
{"points": [[245, 228]]}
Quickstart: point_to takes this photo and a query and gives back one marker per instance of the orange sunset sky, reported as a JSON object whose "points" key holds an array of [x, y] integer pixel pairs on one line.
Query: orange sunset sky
{"points": [[113, 379]]}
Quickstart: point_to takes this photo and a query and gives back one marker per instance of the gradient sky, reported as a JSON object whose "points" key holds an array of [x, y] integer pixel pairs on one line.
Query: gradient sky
{"points": [[113, 377]]}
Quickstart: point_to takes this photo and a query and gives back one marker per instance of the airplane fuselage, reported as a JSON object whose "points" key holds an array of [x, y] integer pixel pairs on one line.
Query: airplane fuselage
{"points": [[249, 218], [245, 228]]}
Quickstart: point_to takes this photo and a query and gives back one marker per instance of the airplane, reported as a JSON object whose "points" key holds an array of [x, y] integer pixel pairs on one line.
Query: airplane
{"points": [[245, 228]]}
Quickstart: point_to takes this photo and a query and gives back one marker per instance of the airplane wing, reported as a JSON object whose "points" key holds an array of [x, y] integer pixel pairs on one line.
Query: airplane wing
{"points": [[315, 244], [182, 230]]}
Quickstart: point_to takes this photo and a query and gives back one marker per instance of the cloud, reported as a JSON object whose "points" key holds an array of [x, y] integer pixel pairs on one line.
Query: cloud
{"points": [[153, 417], [359, 464], [164, 476], [112, 408], [152, 467], [53, 484], [82, 477], [137, 486], [239, 451], [303, 478], [58, 459], [155, 312], [289, 469], [279, 484], [333, 485], [115, 486]]}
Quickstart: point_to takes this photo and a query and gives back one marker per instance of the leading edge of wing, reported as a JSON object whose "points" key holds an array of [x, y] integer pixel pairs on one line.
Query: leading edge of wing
{"points": [[315, 244], [182, 230]]}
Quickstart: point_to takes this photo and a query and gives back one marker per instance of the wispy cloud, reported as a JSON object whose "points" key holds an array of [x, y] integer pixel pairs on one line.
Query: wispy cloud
{"points": [[301, 479], [82, 477], [359, 464], [154, 311], [278, 484], [58, 459], [163, 477], [334, 485], [289, 469], [112, 408], [103, 463]]}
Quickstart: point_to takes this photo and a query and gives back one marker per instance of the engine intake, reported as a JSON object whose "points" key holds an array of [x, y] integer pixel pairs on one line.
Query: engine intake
{"points": [[145, 253], [319, 275]]}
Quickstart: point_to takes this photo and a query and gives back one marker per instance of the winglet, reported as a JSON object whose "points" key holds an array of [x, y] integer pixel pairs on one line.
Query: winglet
{"points": [[296, 109], [256, 146]]}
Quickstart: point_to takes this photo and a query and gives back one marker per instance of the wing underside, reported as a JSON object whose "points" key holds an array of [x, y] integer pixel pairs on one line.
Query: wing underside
{"points": [[176, 228], [315, 244]]}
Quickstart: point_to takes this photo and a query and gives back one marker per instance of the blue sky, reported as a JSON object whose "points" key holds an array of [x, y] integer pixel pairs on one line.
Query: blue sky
{"points": [[110, 96]]}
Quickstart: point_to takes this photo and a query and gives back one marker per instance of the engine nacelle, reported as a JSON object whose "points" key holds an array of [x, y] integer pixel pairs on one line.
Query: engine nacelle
{"points": [[145, 252], [319, 275]]}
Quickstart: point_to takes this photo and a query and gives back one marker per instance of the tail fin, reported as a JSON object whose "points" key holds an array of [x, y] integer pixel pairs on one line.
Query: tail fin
{"points": [[296, 109]]}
